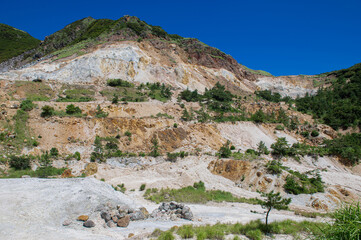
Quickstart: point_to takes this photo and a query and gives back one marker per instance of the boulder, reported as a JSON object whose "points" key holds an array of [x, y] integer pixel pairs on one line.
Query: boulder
{"points": [[106, 216], [124, 222], [111, 224], [66, 222], [137, 215], [83, 218], [89, 224]]}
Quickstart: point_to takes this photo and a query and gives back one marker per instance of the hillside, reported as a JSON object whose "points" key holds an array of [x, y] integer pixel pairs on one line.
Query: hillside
{"points": [[164, 118], [14, 42]]}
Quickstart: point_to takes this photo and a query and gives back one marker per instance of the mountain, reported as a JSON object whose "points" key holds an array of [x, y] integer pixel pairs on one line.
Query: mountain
{"points": [[127, 103], [14, 42]]}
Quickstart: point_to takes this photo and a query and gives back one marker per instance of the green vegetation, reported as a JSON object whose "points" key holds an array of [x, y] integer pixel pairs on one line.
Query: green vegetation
{"points": [[99, 113], [13, 42], [194, 194], [155, 147], [172, 157], [47, 111], [255, 230], [298, 183], [142, 187], [27, 105], [40, 172], [34, 91], [72, 110], [77, 95], [120, 188], [274, 200], [338, 105], [119, 83], [346, 224], [19, 162], [225, 150], [274, 167], [272, 97]]}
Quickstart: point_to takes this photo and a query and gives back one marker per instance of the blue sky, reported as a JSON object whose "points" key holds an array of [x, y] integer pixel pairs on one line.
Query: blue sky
{"points": [[281, 37]]}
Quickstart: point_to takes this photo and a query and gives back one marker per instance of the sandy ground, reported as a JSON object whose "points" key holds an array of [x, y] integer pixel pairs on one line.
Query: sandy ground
{"points": [[36, 209]]}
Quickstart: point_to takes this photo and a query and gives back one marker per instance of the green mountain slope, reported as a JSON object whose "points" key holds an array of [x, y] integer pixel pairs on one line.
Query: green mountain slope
{"points": [[338, 105], [14, 42]]}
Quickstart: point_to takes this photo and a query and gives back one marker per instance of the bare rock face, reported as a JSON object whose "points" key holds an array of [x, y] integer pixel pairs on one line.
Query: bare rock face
{"points": [[123, 222]]}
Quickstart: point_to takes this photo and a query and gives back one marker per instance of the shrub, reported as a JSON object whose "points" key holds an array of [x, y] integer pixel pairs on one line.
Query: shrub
{"points": [[71, 110], [77, 156], [225, 151], [128, 134], [280, 147], [54, 152], [233, 147], [305, 134], [280, 127], [298, 183], [119, 83], [155, 148], [186, 231], [166, 236], [274, 167], [142, 187], [262, 148], [315, 133], [19, 162], [346, 225], [175, 125], [99, 113], [251, 151], [27, 105], [47, 111]]}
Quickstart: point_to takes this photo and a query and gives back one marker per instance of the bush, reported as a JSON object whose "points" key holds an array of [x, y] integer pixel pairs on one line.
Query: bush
{"points": [[54, 152], [77, 156], [99, 113], [305, 134], [19, 163], [142, 187], [119, 83], [315, 133], [346, 225], [274, 167], [297, 183], [72, 110], [27, 105], [280, 127], [47, 111], [280, 147], [186, 231], [233, 147], [225, 151], [166, 236]]}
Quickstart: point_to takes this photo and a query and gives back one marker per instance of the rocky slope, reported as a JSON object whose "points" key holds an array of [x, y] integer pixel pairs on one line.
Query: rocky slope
{"points": [[74, 66]]}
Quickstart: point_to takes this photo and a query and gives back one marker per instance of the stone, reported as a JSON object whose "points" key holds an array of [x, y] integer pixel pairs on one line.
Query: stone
{"points": [[67, 222], [124, 222], [144, 211], [89, 224], [111, 224], [137, 215], [91, 168], [115, 218], [106, 216], [131, 235], [83, 218]]}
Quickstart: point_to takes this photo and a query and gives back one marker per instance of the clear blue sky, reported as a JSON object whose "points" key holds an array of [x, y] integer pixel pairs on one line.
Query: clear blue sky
{"points": [[282, 37]]}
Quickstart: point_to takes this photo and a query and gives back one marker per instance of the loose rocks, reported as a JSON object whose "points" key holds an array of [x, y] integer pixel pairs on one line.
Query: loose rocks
{"points": [[89, 224], [172, 211]]}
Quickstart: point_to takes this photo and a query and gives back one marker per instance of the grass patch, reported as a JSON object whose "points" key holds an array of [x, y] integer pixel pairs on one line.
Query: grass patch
{"points": [[77, 95], [195, 194], [40, 172], [34, 91], [253, 230]]}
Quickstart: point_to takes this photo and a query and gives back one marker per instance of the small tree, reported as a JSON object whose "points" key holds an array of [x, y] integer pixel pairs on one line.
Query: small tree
{"points": [[47, 111], [115, 99], [225, 151], [274, 201], [262, 148], [280, 147], [71, 109], [155, 147]]}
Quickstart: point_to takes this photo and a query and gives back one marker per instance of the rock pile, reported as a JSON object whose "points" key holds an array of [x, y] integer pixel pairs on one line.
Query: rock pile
{"points": [[122, 216], [172, 211]]}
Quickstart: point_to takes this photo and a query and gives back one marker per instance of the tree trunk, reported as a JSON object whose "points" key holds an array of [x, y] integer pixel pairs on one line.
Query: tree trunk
{"points": [[267, 216]]}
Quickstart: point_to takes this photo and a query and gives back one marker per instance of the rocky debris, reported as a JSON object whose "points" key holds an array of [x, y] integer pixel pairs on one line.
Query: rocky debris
{"points": [[67, 222], [67, 174], [172, 211], [83, 218], [89, 224], [122, 216], [91, 169], [124, 222]]}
